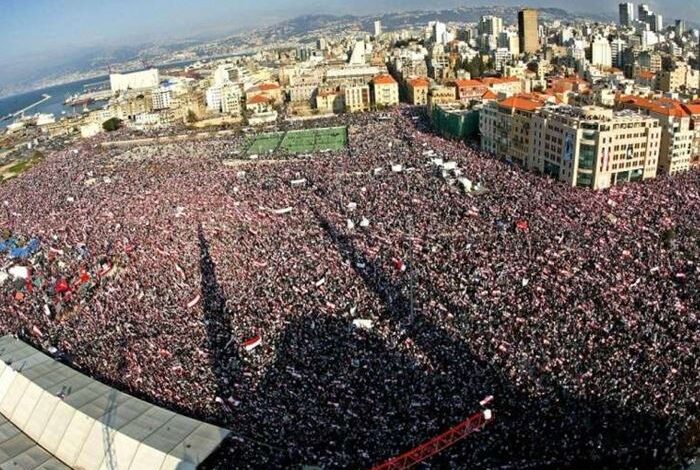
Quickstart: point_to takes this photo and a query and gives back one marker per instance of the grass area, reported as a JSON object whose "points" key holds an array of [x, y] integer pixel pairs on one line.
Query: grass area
{"points": [[14, 169], [264, 143], [302, 141]]}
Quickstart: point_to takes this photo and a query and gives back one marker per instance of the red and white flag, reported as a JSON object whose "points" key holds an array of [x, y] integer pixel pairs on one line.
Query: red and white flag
{"points": [[486, 400], [522, 225], [252, 343], [194, 301], [106, 270], [399, 265]]}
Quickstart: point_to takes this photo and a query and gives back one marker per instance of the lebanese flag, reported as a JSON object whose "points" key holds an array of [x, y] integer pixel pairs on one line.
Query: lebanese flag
{"points": [[252, 343], [398, 264], [522, 225], [106, 271]]}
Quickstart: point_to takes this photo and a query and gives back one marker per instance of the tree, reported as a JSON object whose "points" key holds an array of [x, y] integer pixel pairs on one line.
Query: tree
{"points": [[112, 124], [476, 67], [191, 116]]}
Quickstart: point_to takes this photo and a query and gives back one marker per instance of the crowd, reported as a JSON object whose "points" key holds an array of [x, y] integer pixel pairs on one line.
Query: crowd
{"points": [[341, 309]]}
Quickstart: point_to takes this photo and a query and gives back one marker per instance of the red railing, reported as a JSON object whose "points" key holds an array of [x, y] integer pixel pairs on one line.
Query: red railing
{"points": [[439, 443]]}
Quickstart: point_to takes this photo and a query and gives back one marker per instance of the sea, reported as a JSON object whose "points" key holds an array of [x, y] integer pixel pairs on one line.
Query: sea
{"points": [[59, 93], [54, 105]]}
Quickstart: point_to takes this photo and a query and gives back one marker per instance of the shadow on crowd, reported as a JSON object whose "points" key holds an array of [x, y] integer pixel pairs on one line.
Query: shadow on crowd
{"points": [[322, 402]]}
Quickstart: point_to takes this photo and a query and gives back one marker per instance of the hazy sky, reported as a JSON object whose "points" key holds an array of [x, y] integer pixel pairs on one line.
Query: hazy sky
{"points": [[40, 28]]}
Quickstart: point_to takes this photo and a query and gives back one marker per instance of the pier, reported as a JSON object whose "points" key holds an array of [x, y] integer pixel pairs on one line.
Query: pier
{"points": [[44, 98]]}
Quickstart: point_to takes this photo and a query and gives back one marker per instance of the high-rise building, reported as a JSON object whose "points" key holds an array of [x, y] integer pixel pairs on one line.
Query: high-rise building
{"points": [[440, 32], [626, 13], [492, 25], [377, 28], [643, 12], [656, 22], [601, 53], [680, 27], [528, 30], [617, 47], [509, 40]]}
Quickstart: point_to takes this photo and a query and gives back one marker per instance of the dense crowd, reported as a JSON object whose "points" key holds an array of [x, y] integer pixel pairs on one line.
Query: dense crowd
{"points": [[340, 309]]}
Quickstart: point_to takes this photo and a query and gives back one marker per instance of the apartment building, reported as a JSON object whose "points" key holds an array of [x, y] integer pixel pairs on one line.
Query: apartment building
{"points": [[441, 95], [586, 146], [594, 147], [693, 109], [677, 137], [507, 85], [385, 90], [418, 91], [505, 126], [162, 98], [330, 100], [357, 98], [468, 90]]}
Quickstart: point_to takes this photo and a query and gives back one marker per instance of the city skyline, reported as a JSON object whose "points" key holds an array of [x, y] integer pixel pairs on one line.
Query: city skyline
{"points": [[30, 29]]}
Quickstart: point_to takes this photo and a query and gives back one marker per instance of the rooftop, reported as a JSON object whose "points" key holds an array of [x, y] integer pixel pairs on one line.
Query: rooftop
{"points": [[693, 107], [490, 81], [51, 407], [268, 86], [258, 99], [524, 102], [419, 82], [662, 106], [384, 79], [469, 83]]}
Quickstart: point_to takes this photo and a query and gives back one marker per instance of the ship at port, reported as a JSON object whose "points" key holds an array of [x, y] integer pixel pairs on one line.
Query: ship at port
{"points": [[85, 99]]}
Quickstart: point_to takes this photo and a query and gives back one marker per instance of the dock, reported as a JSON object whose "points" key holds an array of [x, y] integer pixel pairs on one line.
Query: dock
{"points": [[44, 98]]}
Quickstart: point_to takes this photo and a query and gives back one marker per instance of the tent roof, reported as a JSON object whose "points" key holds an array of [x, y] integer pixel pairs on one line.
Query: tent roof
{"points": [[85, 423]]}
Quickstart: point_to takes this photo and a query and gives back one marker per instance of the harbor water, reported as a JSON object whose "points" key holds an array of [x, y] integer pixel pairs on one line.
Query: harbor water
{"points": [[54, 105]]}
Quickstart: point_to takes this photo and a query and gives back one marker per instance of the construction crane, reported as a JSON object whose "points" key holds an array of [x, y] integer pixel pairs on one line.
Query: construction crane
{"points": [[439, 443]]}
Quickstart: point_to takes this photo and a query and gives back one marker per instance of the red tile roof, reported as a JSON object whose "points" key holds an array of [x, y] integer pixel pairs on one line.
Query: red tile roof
{"points": [[523, 102], [662, 106], [419, 82], [384, 80], [257, 99], [469, 83], [693, 107], [498, 81], [268, 86]]}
